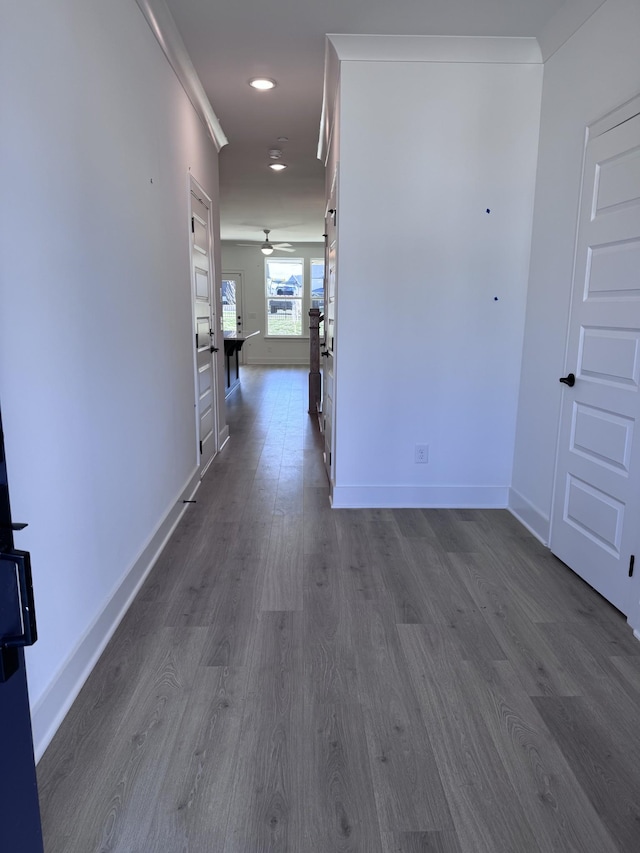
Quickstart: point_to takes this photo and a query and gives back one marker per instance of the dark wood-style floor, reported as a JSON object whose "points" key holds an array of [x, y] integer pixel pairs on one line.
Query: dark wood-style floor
{"points": [[299, 679]]}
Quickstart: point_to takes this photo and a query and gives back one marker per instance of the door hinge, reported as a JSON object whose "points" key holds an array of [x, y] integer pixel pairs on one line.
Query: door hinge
{"points": [[200, 448], [329, 459], [632, 560], [196, 340], [193, 225]]}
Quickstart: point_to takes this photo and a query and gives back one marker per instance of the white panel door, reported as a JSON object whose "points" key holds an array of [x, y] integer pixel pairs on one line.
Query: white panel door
{"points": [[596, 512], [328, 351], [204, 328]]}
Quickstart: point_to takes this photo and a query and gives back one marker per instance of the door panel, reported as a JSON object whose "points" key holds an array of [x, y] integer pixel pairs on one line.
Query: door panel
{"points": [[597, 490], [609, 355], [617, 180], [595, 514], [204, 323], [601, 436], [202, 284], [611, 271]]}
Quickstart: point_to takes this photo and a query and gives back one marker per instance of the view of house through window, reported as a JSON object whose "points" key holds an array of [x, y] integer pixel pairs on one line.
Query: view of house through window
{"points": [[284, 281], [229, 309], [317, 288]]}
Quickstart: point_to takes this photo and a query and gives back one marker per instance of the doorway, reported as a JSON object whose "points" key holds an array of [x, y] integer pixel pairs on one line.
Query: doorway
{"points": [[232, 306]]}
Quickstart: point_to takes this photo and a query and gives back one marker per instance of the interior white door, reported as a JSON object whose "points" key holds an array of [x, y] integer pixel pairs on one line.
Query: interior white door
{"points": [[328, 351], [232, 316], [595, 523], [204, 329]]}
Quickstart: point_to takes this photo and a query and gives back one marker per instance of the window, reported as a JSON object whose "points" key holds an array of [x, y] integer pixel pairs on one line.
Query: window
{"points": [[229, 305], [284, 283], [317, 287]]}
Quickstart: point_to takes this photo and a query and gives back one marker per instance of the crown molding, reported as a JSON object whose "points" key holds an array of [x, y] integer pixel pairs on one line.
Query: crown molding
{"points": [[329, 95], [373, 48], [160, 19], [410, 48], [569, 18]]}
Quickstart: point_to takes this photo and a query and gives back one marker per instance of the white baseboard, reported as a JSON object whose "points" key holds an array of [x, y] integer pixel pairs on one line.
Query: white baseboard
{"points": [[423, 497], [279, 360], [533, 519], [223, 437], [52, 707]]}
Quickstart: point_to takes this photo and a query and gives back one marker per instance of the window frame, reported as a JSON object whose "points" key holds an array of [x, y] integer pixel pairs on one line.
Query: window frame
{"points": [[301, 298]]}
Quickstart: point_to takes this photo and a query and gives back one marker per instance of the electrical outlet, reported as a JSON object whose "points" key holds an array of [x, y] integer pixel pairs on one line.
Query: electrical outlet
{"points": [[422, 453]]}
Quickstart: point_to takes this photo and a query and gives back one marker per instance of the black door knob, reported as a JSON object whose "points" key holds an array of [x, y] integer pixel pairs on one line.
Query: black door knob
{"points": [[569, 380]]}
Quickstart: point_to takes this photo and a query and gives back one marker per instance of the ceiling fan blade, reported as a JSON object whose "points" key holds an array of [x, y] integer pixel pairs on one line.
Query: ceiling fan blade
{"points": [[283, 249], [283, 245]]}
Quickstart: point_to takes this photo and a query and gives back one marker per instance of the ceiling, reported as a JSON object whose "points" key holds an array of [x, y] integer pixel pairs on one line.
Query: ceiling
{"points": [[284, 39]]}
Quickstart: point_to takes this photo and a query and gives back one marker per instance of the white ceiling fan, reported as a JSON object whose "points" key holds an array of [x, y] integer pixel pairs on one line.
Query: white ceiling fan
{"points": [[267, 248]]}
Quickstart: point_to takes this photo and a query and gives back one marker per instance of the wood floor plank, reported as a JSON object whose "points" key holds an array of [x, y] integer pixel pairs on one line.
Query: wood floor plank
{"points": [[283, 572], [231, 614], [314, 472], [487, 813], [556, 806], [116, 799], [523, 641], [319, 531], [605, 766], [93, 724], [339, 806], [266, 809], [407, 784], [354, 554], [413, 523], [629, 669], [260, 500], [450, 531], [289, 497], [421, 842], [192, 806], [449, 602], [329, 653]]}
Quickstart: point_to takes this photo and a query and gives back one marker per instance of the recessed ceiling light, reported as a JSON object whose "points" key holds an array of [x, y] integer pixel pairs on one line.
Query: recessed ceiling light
{"points": [[283, 139], [262, 83], [277, 167]]}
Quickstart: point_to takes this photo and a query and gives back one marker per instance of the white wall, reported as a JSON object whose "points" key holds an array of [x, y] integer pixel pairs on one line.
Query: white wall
{"points": [[251, 263], [593, 72], [425, 352], [96, 336]]}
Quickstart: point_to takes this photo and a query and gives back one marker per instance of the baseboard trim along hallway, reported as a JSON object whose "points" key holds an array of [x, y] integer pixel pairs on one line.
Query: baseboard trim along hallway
{"points": [[411, 497]]}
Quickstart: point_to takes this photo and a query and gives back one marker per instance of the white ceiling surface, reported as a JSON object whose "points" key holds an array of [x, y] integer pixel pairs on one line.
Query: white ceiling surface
{"points": [[231, 41]]}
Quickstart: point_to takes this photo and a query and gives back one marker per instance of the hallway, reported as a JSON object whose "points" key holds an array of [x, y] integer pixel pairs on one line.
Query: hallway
{"points": [[298, 679]]}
